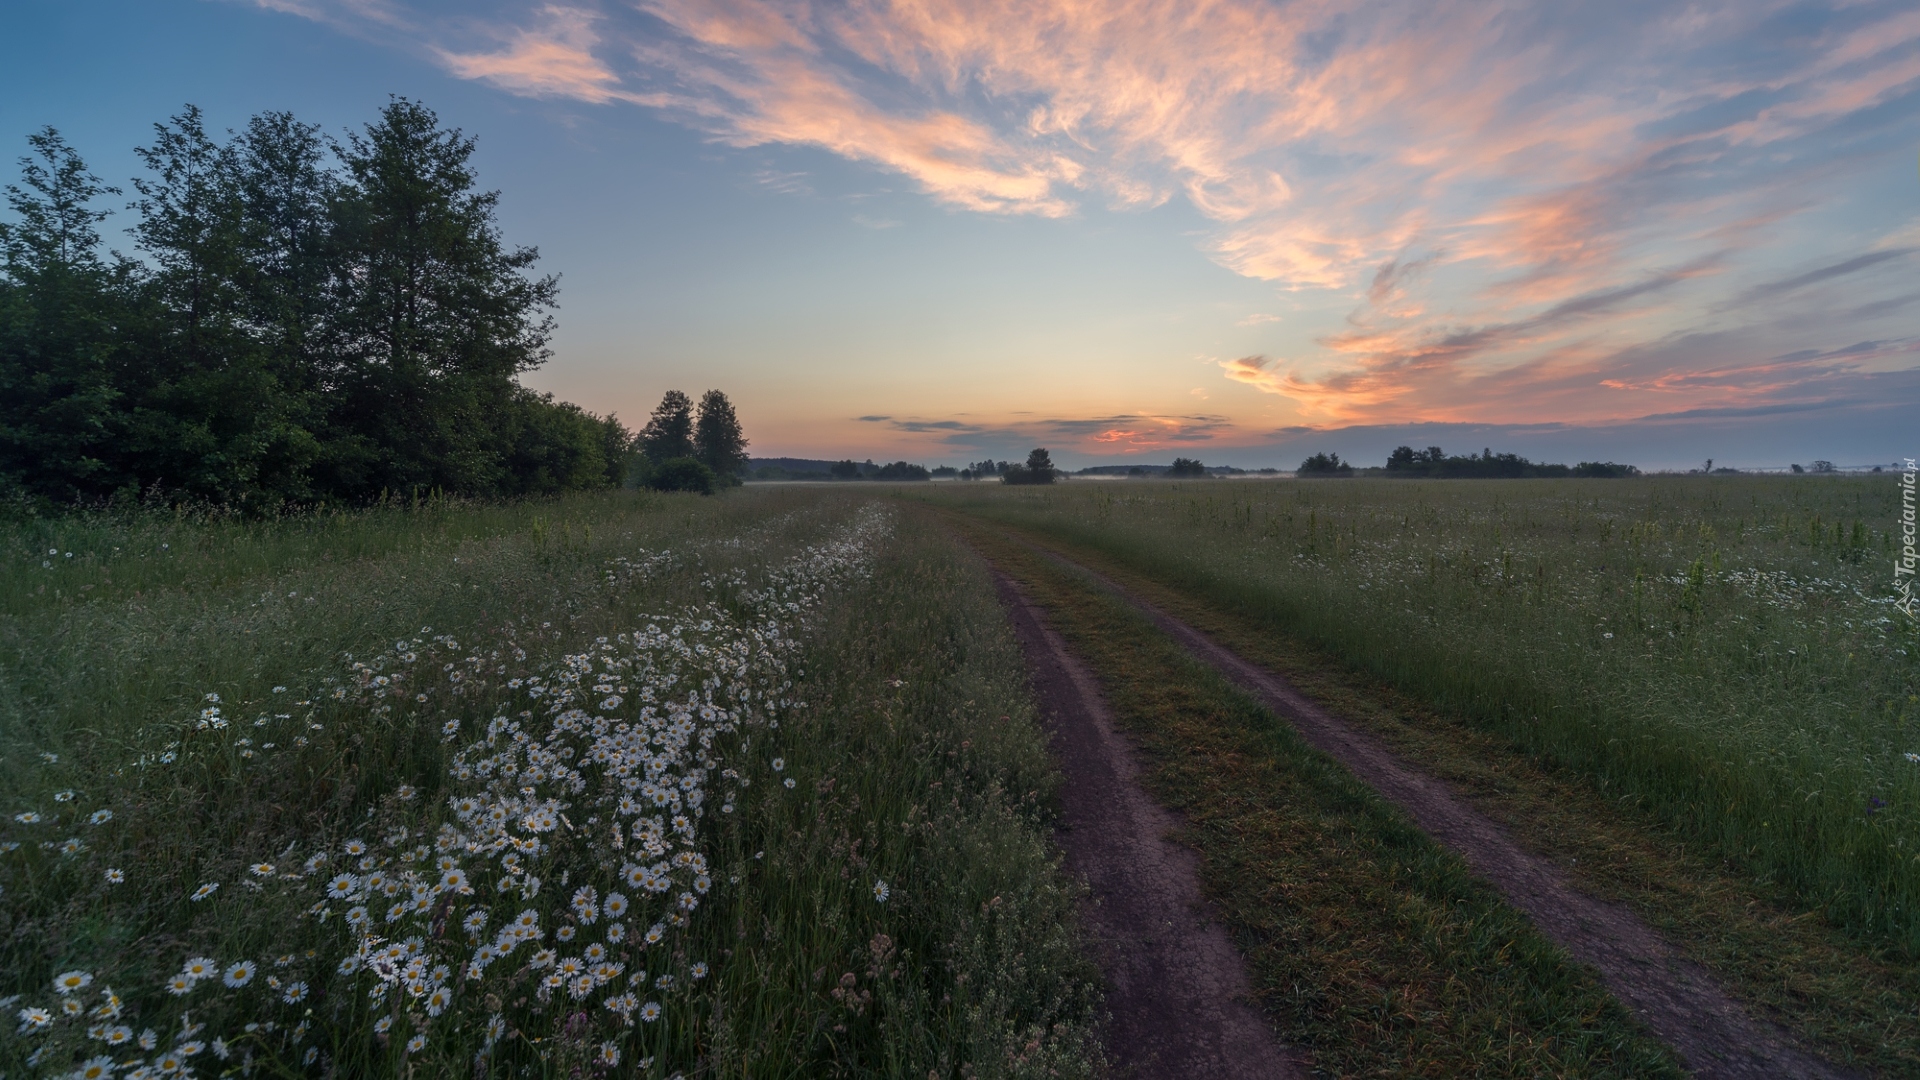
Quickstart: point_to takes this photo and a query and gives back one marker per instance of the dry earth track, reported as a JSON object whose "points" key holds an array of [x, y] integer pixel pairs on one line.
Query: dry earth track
{"points": [[1680, 1001], [1179, 994]]}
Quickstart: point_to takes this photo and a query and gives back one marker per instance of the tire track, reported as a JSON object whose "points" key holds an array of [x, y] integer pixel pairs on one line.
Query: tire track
{"points": [[1679, 1000], [1179, 993]]}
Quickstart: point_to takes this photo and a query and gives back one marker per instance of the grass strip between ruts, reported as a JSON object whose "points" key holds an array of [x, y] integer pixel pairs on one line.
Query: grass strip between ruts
{"points": [[1852, 999], [1376, 950]]}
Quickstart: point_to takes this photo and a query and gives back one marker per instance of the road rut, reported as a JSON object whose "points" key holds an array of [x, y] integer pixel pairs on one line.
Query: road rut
{"points": [[1680, 1001], [1179, 993]]}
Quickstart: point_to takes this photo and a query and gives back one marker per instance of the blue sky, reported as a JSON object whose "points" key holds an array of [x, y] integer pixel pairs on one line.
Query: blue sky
{"points": [[1233, 230]]}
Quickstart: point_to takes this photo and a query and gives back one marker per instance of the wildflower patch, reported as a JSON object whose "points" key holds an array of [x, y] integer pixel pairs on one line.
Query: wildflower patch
{"points": [[538, 891]]}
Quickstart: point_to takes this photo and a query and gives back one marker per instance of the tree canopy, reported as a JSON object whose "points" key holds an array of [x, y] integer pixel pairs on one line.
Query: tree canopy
{"points": [[717, 439], [709, 437], [1406, 461], [306, 320], [669, 431]]}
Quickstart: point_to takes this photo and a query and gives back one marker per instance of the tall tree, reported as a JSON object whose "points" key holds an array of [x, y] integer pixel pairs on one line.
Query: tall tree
{"points": [[1038, 470], [296, 330], [432, 315], [717, 439], [669, 431], [287, 191], [190, 228], [61, 310], [208, 414]]}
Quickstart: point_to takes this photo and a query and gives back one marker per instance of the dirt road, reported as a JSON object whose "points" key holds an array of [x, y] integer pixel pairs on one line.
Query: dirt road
{"points": [[1179, 994], [1680, 1001]]}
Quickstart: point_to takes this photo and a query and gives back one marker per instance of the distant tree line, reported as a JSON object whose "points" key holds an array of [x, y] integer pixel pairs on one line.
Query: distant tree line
{"points": [[308, 320], [849, 469], [981, 470], [1325, 465], [1405, 461], [901, 470], [1182, 468], [1037, 469], [786, 469]]}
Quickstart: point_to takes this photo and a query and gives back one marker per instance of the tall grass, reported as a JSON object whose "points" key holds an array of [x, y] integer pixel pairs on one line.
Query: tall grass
{"points": [[841, 852], [1723, 651]]}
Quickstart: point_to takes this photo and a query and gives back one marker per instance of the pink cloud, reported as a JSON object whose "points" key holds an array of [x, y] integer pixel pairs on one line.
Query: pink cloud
{"points": [[555, 60]]}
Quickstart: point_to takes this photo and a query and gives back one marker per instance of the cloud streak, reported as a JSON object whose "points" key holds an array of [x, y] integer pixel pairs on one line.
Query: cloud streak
{"points": [[555, 59]]}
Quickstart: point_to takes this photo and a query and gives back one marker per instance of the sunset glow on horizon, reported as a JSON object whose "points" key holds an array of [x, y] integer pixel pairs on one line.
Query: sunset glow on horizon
{"points": [[1129, 229]]}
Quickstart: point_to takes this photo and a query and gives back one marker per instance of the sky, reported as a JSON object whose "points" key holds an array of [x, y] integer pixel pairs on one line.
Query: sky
{"points": [[1237, 230]]}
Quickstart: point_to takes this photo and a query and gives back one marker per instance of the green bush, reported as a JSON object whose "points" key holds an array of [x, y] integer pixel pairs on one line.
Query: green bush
{"points": [[682, 474]]}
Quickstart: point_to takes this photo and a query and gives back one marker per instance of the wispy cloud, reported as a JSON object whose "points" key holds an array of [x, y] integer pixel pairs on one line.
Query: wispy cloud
{"points": [[786, 183], [1854, 265], [554, 58], [1522, 205]]}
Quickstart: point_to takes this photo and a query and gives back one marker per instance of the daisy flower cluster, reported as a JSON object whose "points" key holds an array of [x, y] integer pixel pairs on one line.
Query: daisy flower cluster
{"points": [[643, 566], [552, 872], [64, 815]]}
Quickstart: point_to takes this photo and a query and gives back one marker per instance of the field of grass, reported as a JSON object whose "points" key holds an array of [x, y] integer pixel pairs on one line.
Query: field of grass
{"points": [[1722, 653], [1375, 949], [749, 786], [1845, 993], [753, 785]]}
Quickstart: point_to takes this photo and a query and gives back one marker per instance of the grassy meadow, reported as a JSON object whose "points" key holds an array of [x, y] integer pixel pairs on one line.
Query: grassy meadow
{"points": [[1721, 652], [654, 785], [658, 785], [1377, 950]]}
